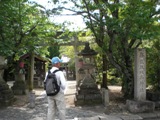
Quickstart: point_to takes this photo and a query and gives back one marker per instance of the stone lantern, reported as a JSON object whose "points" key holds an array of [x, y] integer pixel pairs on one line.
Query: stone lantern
{"points": [[19, 86], [87, 89], [6, 94]]}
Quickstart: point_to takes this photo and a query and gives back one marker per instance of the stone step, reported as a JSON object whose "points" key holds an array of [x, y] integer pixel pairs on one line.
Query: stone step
{"points": [[106, 117]]}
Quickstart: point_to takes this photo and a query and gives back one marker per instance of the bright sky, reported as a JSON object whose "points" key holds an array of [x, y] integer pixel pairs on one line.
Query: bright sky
{"points": [[77, 21]]}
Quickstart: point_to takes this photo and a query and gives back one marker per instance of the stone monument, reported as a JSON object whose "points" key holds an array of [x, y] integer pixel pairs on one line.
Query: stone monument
{"points": [[87, 89], [140, 75], [6, 94], [140, 104]]}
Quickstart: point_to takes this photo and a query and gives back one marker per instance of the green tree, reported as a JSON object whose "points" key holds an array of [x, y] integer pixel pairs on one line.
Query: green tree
{"points": [[119, 27], [24, 28]]}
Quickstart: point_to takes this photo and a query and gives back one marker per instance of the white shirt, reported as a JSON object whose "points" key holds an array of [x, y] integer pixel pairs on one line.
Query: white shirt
{"points": [[60, 77]]}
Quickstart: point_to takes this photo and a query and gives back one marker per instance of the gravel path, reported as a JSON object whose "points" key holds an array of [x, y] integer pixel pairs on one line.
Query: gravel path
{"points": [[24, 112], [39, 112]]}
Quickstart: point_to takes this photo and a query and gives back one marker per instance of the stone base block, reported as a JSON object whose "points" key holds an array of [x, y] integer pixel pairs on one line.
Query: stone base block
{"points": [[87, 103], [19, 87], [140, 106], [90, 99], [106, 117]]}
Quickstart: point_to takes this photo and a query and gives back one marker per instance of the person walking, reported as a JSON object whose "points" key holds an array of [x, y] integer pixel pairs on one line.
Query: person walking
{"points": [[56, 104]]}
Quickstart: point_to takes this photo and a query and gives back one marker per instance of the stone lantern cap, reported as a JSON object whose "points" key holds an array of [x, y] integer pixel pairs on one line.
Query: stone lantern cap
{"points": [[87, 51]]}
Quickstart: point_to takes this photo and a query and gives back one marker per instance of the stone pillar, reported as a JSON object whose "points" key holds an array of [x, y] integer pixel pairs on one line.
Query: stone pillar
{"points": [[76, 58], [140, 104], [32, 97], [105, 97], [140, 75]]}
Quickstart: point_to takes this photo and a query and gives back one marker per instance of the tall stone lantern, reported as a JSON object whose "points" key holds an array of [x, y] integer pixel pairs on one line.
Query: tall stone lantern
{"points": [[87, 89], [6, 94]]}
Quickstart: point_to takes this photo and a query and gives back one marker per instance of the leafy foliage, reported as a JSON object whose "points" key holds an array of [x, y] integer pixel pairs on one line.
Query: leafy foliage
{"points": [[24, 28], [153, 68], [119, 27]]}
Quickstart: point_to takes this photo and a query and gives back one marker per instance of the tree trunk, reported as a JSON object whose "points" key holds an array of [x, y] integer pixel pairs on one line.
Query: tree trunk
{"points": [[104, 79], [128, 78], [31, 72], [128, 84]]}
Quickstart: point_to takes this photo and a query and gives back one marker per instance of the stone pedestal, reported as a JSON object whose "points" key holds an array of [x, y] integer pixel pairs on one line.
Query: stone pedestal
{"points": [[140, 106], [88, 92], [19, 86]]}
